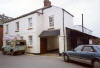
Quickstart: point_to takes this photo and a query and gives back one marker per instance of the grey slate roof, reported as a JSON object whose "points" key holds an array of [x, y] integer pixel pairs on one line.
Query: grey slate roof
{"points": [[36, 11], [50, 33]]}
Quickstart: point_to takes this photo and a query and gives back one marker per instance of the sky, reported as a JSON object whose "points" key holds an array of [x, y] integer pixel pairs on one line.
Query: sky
{"points": [[90, 9]]}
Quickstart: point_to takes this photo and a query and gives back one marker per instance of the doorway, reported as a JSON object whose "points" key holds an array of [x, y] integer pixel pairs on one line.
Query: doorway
{"points": [[49, 45], [43, 45]]}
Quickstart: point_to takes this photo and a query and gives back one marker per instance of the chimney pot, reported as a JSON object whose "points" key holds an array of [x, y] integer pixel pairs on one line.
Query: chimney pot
{"points": [[47, 3]]}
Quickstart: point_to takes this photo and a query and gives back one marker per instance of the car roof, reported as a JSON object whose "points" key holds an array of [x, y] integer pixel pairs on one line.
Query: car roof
{"points": [[90, 45]]}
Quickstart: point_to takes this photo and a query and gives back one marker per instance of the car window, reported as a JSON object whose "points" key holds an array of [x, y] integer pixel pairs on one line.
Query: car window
{"points": [[20, 43], [79, 48], [88, 49], [98, 47]]}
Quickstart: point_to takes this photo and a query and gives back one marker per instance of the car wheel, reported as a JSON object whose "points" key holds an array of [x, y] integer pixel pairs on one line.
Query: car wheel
{"points": [[23, 52], [3, 52], [96, 64], [66, 58], [12, 53]]}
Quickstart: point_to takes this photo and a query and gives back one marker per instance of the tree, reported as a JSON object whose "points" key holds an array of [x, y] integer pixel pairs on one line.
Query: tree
{"points": [[4, 19]]}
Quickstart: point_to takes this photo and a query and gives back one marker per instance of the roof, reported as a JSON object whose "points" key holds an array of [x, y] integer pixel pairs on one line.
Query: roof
{"points": [[90, 45], [36, 11], [50, 33], [84, 27], [68, 13], [90, 36]]}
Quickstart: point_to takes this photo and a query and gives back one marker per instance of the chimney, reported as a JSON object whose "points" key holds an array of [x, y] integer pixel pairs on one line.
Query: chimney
{"points": [[47, 3]]}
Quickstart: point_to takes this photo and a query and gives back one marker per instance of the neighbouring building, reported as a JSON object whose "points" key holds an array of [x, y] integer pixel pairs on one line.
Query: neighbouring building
{"points": [[1, 36], [3, 19], [96, 41], [47, 29]]}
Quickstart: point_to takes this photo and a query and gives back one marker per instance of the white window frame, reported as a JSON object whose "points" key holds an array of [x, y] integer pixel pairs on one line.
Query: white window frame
{"points": [[30, 40], [17, 26], [22, 38], [30, 22], [7, 29], [51, 21]]}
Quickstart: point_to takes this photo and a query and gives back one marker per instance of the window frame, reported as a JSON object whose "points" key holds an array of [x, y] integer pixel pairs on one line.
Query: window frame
{"points": [[22, 38], [7, 28], [17, 26], [88, 51], [30, 24], [51, 21], [30, 40]]}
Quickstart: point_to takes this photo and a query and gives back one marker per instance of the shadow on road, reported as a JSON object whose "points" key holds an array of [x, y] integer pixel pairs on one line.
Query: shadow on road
{"points": [[79, 64]]}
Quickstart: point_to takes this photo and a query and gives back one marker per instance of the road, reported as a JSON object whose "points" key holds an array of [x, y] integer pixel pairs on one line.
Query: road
{"points": [[35, 61]]}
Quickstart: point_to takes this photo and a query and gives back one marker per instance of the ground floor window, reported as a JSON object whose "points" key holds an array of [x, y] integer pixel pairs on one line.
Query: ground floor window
{"points": [[8, 42], [30, 40], [21, 38]]}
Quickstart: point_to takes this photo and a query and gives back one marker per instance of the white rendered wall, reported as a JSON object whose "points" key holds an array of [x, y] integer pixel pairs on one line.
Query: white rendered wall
{"points": [[52, 43], [40, 23], [90, 41], [58, 23]]}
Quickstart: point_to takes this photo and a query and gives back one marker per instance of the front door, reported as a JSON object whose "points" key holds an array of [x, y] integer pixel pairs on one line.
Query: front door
{"points": [[43, 45]]}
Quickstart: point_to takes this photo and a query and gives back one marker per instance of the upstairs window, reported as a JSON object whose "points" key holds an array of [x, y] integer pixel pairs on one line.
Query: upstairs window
{"points": [[51, 21], [7, 29], [30, 22], [17, 26]]}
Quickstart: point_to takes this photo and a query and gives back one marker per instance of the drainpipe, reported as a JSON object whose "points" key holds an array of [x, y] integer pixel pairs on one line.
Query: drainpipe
{"points": [[63, 33], [82, 24]]}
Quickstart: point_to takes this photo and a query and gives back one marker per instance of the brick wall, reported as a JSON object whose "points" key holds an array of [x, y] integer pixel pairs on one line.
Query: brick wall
{"points": [[96, 41], [1, 36]]}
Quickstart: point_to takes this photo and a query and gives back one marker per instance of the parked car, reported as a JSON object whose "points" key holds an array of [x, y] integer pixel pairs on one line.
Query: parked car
{"points": [[13, 47], [89, 54]]}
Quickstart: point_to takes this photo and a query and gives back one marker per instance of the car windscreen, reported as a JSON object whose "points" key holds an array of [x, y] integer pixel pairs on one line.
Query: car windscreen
{"points": [[8, 43]]}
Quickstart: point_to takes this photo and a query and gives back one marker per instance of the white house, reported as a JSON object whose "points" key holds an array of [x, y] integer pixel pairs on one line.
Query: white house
{"points": [[44, 29]]}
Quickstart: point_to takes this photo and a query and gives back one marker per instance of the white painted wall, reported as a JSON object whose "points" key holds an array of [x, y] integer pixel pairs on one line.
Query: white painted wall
{"points": [[52, 43], [40, 23], [90, 41]]}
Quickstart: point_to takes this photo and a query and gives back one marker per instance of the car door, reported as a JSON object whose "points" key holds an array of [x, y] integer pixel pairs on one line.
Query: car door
{"points": [[87, 54], [75, 55]]}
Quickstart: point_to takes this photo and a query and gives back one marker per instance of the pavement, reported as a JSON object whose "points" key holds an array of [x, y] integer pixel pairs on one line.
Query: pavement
{"points": [[35, 61]]}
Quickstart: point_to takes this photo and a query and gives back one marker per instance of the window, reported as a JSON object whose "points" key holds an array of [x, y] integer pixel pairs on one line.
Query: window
{"points": [[30, 22], [21, 38], [79, 48], [8, 43], [98, 46], [88, 49], [30, 40], [51, 21], [17, 26], [7, 29]]}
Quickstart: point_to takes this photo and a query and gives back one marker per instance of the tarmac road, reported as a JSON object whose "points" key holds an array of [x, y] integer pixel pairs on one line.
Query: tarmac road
{"points": [[35, 61]]}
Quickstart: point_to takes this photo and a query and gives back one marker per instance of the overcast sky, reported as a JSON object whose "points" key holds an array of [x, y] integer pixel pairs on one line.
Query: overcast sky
{"points": [[90, 9]]}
